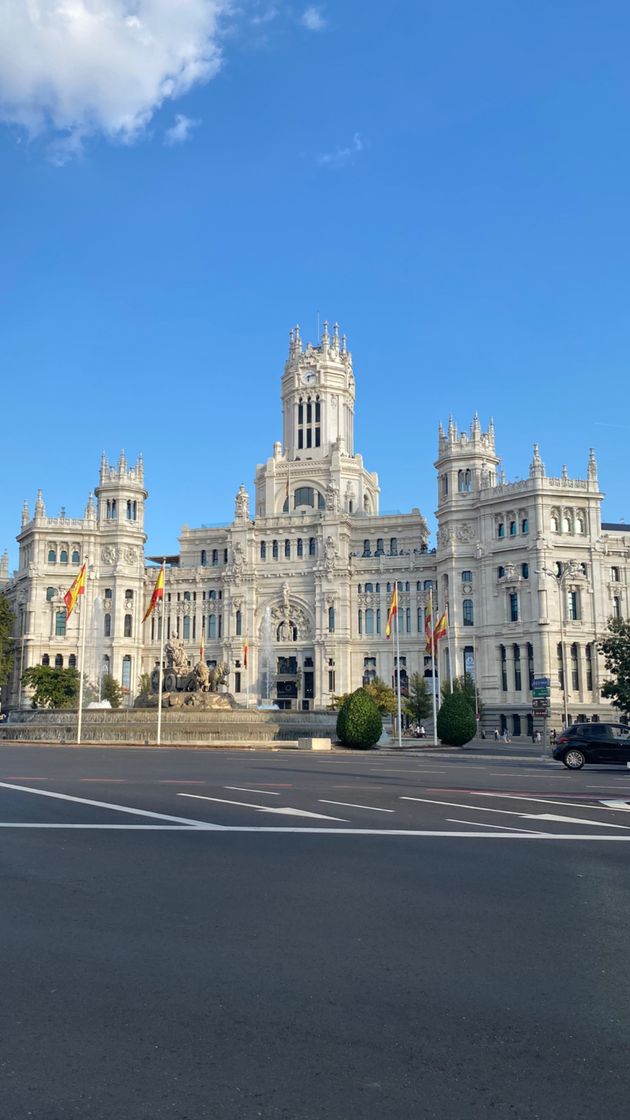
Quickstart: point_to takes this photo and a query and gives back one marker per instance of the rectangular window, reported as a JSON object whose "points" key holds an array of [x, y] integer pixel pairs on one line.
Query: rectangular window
{"points": [[331, 680], [309, 437], [503, 661], [500, 529], [237, 681], [263, 550], [517, 669], [317, 437], [300, 439], [589, 668], [300, 548], [573, 605]]}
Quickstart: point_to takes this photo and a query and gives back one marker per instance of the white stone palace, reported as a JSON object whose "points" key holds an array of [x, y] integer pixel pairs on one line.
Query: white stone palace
{"points": [[528, 571]]}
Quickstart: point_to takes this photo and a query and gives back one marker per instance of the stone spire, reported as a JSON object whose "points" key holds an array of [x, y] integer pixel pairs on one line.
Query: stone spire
{"points": [[40, 508], [592, 466], [297, 340], [325, 337], [90, 509], [475, 428], [344, 344], [440, 430], [565, 473], [104, 467], [335, 338], [491, 432], [452, 431], [122, 464], [4, 567], [26, 517], [536, 467]]}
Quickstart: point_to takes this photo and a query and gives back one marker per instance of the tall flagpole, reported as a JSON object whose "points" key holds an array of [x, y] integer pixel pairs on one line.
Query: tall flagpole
{"points": [[448, 639], [435, 738], [398, 670], [161, 670], [83, 625]]}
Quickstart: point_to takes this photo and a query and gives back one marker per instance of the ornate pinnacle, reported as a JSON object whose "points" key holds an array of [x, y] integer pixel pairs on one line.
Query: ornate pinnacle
{"points": [[26, 517], [592, 466], [40, 508], [536, 467]]}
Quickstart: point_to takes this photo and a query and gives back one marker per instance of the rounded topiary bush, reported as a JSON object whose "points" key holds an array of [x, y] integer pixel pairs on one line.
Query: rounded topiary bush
{"points": [[456, 723], [359, 723]]}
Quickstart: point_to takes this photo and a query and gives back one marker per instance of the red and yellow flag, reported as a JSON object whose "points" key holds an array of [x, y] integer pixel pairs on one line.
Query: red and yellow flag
{"points": [[428, 632], [441, 628], [201, 649], [245, 653], [393, 610], [158, 593], [71, 596]]}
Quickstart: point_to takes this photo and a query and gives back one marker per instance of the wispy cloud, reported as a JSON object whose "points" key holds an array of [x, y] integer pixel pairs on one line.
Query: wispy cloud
{"points": [[313, 19], [342, 155], [265, 15], [71, 69], [180, 132]]}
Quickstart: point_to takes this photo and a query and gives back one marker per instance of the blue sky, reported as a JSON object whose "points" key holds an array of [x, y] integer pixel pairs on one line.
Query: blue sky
{"points": [[449, 181]]}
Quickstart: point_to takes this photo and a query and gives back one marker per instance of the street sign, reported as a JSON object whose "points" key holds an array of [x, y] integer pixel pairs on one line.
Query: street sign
{"points": [[540, 707], [541, 682], [540, 693]]}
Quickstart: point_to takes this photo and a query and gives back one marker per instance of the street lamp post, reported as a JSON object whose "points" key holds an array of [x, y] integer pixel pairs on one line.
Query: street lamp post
{"points": [[572, 569]]}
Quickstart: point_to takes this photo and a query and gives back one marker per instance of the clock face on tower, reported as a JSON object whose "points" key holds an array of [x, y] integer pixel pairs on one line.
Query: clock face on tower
{"points": [[308, 377]]}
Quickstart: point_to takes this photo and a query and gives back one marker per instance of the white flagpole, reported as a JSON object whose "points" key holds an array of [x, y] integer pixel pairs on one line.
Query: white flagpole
{"points": [[83, 624], [434, 698], [448, 639], [398, 670], [161, 670]]}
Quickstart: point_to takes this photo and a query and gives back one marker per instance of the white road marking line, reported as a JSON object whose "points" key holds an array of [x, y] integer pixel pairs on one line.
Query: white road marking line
{"points": [[538, 800], [505, 828], [106, 805], [285, 810], [349, 805], [260, 792], [115, 827], [621, 804], [458, 805], [569, 820]]}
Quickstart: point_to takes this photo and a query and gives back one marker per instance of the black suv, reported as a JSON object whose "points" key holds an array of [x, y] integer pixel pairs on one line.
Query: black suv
{"points": [[593, 742]]}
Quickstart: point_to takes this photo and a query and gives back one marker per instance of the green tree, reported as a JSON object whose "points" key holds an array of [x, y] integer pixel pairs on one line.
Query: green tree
{"points": [[359, 723], [616, 650], [456, 723], [112, 691], [52, 688], [144, 684], [465, 686], [7, 619], [383, 696], [418, 704]]}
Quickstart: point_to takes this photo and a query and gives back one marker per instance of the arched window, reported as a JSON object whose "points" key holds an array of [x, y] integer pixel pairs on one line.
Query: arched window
{"points": [[331, 620], [128, 624], [379, 547], [464, 481], [299, 548], [107, 626], [566, 523], [52, 555], [287, 549], [393, 546], [513, 528], [579, 524], [185, 628], [616, 606], [614, 575], [238, 624], [513, 606], [360, 616], [129, 594], [444, 485], [263, 550], [212, 594], [304, 496], [468, 612], [367, 551], [589, 667], [525, 525], [312, 546], [60, 624], [274, 550], [58, 661], [554, 523], [369, 621], [530, 665], [378, 620], [204, 558], [212, 626], [109, 594], [76, 559], [500, 529], [467, 577], [500, 571], [428, 585], [516, 653], [50, 594], [126, 673], [377, 588], [525, 571], [45, 659], [369, 587], [72, 661]]}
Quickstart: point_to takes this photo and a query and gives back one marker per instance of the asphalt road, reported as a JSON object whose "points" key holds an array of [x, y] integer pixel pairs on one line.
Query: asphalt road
{"points": [[228, 934]]}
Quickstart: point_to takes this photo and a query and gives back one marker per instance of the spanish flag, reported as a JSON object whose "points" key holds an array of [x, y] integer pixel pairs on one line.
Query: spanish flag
{"points": [[245, 653], [441, 628], [393, 610], [158, 593], [428, 628], [71, 596]]}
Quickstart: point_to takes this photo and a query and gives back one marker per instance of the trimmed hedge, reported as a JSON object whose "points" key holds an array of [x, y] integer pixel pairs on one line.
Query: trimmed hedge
{"points": [[456, 723], [359, 723]]}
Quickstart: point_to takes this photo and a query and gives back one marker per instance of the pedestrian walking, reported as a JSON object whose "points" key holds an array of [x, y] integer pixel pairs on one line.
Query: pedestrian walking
{"points": [[496, 734]]}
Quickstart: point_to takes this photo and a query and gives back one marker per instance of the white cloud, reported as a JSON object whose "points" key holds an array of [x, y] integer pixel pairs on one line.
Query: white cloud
{"points": [[313, 20], [341, 155], [180, 132], [79, 67]]}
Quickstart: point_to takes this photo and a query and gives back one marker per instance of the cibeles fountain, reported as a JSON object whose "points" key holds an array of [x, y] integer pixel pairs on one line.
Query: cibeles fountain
{"points": [[202, 686]]}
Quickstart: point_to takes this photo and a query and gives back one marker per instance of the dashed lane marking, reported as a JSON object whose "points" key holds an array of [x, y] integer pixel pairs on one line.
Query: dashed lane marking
{"points": [[106, 805], [285, 810], [349, 805], [260, 792]]}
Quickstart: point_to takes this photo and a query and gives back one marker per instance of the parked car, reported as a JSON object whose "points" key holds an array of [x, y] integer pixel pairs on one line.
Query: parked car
{"points": [[593, 742]]}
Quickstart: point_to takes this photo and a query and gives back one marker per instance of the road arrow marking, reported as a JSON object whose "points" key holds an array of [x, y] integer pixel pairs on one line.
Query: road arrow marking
{"points": [[616, 803]]}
